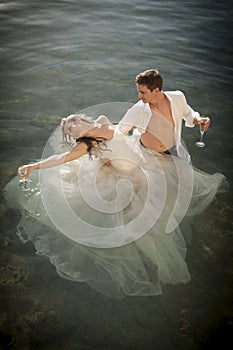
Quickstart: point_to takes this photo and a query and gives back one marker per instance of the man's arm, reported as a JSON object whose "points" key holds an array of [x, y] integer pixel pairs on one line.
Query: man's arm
{"points": [[137, 116], [192, 117]]}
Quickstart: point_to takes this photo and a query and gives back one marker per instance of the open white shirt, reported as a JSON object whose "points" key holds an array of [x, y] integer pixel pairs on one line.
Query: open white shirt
{"points": [[139, 116]]}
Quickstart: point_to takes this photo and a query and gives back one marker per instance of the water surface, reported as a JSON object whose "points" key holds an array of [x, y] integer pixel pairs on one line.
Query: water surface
{"points": [[58, 57]]}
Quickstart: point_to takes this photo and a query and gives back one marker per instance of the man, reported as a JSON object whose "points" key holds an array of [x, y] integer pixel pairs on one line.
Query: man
{"points": [[159, 114]]}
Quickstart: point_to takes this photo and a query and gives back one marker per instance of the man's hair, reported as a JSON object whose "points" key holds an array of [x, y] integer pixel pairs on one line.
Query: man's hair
{"points": [[151, 78]]}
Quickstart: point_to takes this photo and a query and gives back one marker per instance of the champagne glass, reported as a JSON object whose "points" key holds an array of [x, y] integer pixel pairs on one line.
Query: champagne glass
{"points": [[202, 131], [24, 182]]}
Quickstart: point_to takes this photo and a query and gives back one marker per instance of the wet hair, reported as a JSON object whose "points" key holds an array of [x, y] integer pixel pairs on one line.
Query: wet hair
{"points": [[67, 139], [95, 146], [151, 78]]}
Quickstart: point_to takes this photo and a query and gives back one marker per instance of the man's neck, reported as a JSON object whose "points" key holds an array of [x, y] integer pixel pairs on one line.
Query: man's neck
{"points": [[158, 100]]}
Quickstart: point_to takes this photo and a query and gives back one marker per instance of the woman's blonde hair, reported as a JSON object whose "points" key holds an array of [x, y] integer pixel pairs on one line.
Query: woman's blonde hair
{"points": [[67, 139]]}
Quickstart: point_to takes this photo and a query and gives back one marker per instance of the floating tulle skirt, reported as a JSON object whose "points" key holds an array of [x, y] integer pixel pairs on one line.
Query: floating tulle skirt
{"points": [[118, 227]]}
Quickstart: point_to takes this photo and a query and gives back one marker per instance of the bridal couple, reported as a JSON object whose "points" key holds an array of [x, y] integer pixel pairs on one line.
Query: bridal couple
{"points": [[114, 218]]}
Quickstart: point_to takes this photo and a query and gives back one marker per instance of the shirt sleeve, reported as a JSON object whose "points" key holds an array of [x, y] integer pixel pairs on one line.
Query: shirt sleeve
{"points": [[135, 117], [189, 114]]}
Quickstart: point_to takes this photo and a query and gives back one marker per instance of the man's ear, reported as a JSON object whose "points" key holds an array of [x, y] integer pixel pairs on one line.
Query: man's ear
{"points": [[156, 90]]}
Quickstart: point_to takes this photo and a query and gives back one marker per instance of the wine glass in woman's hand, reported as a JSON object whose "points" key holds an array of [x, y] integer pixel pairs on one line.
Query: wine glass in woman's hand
{"points": [[23, 182]]}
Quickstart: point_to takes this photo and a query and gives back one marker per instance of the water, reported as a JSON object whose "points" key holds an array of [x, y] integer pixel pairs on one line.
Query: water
{"points": [[58, 57]]}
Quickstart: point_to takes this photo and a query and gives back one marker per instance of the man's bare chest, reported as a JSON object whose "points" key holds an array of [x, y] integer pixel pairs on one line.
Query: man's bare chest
{"points": [[163, 113]]}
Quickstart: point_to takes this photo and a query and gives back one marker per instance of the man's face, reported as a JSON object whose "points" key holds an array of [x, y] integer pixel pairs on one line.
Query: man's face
{"points": [[145, 94]]}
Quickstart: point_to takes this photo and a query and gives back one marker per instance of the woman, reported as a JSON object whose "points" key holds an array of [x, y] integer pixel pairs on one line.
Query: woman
{"points": [[116, 227], [87, 133]]}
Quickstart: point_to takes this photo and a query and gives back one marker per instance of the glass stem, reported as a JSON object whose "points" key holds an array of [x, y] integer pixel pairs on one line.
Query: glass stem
{"points": [[202, 134]]}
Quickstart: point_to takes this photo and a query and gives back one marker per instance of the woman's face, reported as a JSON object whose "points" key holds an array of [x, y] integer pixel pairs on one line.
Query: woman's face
{"points": [[72, 127], [75, 127]]}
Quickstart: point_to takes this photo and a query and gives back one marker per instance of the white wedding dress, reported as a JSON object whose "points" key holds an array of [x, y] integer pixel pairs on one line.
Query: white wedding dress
{"points": [[118, 227]]}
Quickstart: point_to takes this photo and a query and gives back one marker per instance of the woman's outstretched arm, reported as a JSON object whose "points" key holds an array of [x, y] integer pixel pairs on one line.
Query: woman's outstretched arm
{"points": [[75, 153]]}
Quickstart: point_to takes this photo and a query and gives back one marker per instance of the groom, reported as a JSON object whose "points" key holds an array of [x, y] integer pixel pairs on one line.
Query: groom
{"points": [[159, 115]]}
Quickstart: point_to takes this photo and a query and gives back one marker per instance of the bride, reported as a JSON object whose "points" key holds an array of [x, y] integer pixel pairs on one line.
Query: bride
{"points": [[109, 212]]}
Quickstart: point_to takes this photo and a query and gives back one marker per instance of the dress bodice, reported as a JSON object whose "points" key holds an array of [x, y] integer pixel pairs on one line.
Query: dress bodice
{"points": [[120, 153]]}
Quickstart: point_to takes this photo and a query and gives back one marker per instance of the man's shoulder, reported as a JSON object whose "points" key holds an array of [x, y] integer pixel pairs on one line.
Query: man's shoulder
{"points": [[138, 104], [174, 93], [137, 107]]}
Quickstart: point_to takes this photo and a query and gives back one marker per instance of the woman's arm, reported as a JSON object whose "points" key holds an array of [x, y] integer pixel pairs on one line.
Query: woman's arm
{"points": [[75, 153]]}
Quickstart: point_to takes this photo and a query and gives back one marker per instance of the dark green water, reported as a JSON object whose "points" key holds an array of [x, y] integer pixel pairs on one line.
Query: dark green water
{"points": [[58, 57]]}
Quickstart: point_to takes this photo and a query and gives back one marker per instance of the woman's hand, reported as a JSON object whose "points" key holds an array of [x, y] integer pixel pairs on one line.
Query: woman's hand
{"points": [[106, 161], [25, 171]]}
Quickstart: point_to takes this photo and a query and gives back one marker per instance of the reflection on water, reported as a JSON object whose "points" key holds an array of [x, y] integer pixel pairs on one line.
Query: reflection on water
{"points": [[60, 57]]}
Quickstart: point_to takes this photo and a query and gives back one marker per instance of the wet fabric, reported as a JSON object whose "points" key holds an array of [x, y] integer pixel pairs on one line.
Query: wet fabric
{"points": [[119, 227]]}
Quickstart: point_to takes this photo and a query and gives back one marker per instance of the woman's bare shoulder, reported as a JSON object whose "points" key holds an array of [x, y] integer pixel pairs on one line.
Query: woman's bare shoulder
{"points": [[103, 128], [102, 119]]}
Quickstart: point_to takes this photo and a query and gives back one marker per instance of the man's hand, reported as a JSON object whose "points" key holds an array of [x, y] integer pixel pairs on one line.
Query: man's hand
{"points": [[106, 161], [203, 121]]}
